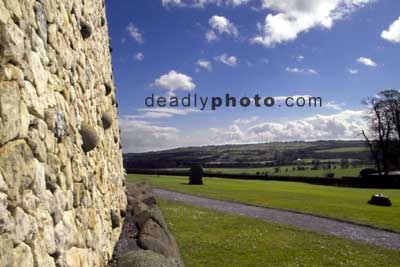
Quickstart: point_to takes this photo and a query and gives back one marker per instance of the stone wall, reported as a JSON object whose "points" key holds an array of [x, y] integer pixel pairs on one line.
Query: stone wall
{"points": [[145, 239], [61, 175]]}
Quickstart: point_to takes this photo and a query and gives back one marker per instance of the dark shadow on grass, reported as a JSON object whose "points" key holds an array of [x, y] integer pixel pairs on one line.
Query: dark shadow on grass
{"points": [[190, 184]]}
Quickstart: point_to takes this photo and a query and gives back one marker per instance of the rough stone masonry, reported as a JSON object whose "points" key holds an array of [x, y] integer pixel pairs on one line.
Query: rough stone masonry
{"points": [[62, 192]]}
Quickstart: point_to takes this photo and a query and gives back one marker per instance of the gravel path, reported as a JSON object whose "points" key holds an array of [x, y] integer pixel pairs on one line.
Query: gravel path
{"points": [[308, 222]]}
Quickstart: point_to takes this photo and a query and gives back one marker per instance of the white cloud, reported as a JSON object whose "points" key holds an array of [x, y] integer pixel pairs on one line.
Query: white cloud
{"points": [[308, 99], [334, 105], [172, 3], [205, 64], [366, 61], [292, 17], [227, 60], [173, 81], [135, 33], [211, 36], [223, 25], [283, 98], [246, 120], [202, 3], [139, 56], [299, 70], [166, 112], [312, 71], [139, 136], [220, 25], [345, 125], [237, 2], [353, 71], [300, 58], [392, 34]]}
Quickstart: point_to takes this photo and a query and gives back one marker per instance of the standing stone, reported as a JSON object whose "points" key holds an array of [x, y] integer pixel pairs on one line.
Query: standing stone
{"points": [[145, 258], [196, 175]]}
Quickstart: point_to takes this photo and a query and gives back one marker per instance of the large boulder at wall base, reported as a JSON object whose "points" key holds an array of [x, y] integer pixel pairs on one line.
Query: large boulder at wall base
{"points": [[380, 200], [145, 240], [196, 175], [146, 258]]}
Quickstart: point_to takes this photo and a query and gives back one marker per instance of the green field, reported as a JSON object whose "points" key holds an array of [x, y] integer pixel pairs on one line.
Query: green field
{"points": [[343, 150], [286, 170], [212, 239], [248, 155], [332, 160], [335, 202], [339, 172]]}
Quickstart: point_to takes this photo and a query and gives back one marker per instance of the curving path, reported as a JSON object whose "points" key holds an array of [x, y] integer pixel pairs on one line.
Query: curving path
{"points": [[307, 222]]}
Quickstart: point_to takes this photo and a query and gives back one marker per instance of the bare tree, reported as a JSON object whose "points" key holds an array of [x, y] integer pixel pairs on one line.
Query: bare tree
{"points": [[392, 99], [374, 152], [384, 128]]}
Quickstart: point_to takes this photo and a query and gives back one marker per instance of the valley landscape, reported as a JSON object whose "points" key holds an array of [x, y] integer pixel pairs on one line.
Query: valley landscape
{"points": [[294, 161], [269, 131], [304, 159], [254, 175]]}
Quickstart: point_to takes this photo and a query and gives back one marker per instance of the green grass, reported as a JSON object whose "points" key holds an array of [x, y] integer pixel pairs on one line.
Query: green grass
{"points": [[212, 239], [343, 150], [333, 160], [336, 202], [339, 172]]}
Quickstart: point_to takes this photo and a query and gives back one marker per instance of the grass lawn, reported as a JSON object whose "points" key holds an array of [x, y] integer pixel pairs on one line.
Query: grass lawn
{"points": [[212, 239], [336, 202], [332, 160], [339, 172], [343, 150]]}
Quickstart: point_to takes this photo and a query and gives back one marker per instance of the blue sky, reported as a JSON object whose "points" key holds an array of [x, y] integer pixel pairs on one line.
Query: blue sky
{"points": [[340, 50]]}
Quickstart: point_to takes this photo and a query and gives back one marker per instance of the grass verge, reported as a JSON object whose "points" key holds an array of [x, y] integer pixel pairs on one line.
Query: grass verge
{"points": [[209, 239], [336, 202]]}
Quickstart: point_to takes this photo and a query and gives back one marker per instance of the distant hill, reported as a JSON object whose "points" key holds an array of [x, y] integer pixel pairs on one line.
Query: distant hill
{"points": [[248, 155]]}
